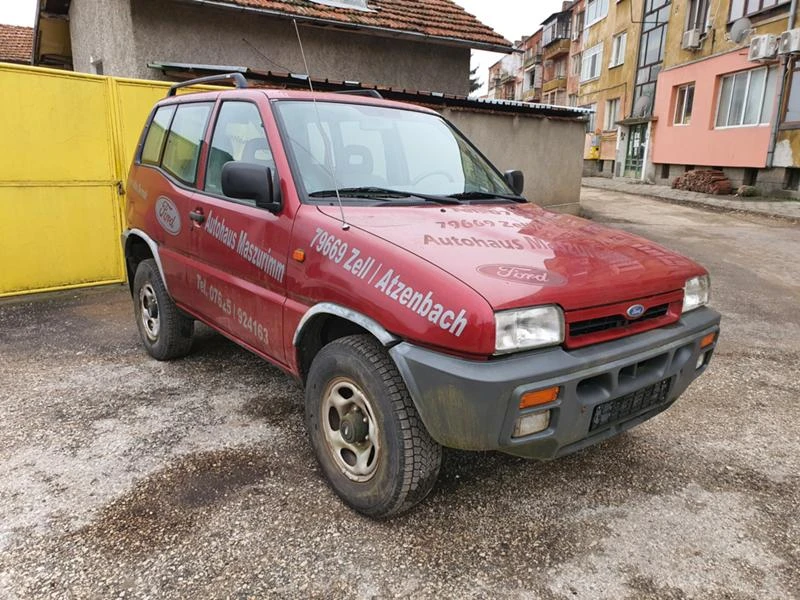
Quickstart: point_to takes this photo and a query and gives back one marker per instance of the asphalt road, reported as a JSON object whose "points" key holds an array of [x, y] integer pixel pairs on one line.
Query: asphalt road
{"points": [[124, 477]]}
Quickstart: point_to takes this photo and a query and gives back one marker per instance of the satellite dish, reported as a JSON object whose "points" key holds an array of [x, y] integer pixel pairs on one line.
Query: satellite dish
{"points": [[740, 29], [642, 106]]}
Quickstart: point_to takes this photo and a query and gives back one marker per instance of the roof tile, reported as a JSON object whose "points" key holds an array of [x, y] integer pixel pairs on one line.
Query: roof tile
{"points": [[16, 43], [440, 18]]}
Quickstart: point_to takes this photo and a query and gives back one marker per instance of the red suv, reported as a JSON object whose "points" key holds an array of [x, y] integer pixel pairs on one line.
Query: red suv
{"points": [[369, 250]]}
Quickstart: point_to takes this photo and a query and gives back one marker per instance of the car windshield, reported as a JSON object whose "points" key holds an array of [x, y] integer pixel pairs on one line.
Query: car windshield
{"points": [[390, 153]]}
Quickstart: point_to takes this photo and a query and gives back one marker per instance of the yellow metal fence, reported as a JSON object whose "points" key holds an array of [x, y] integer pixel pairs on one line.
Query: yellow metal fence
{"points": [[67, 141]]}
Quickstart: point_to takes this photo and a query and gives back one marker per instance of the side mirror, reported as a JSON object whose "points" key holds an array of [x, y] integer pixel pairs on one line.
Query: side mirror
{"points": [[248, 181], [516, 180]]}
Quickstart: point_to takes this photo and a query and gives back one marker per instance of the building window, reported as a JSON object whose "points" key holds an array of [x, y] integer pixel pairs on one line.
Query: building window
{"points": [[746, 98], [618, 49], [792, 114], [591, 61], [612, 114], [750, 177], [596, 10], [561, 69], [697, 15], [572, 100], [684, 99], [745, 8], [591, 121], [791, 180], [577, 28], [576, 64]]}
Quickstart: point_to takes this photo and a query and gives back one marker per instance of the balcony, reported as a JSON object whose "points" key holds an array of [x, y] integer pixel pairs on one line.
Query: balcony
{"points": [[556, 83], [532, 95], [532, 59], [557, 48]]}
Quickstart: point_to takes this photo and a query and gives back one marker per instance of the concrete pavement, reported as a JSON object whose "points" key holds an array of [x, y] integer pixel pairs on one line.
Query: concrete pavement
{"points": [[124, 477], [771, 207]]}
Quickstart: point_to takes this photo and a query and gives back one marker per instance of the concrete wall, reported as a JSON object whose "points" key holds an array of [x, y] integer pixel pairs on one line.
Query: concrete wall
{"points": [[172, 32], [548, 151], [102, 30]]}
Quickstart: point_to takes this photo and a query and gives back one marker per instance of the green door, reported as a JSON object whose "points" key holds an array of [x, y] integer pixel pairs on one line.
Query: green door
{"points": [[634, 155]]}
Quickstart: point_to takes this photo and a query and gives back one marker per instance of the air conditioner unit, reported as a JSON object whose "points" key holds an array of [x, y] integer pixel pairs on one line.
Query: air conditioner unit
{"points": [[692, 40], [763, 47], [789, 42]]}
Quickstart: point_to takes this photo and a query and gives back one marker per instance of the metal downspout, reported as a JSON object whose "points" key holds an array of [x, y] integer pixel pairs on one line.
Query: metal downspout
{"points": [[773, 138]]}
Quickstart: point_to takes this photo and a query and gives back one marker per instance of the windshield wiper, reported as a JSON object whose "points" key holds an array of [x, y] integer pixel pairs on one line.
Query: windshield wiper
{"points": [[379, 193], [476, 195]]}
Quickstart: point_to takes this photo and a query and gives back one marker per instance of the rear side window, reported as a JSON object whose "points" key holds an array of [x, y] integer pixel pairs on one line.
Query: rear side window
{"points": [[182, 151], [154, 142]]}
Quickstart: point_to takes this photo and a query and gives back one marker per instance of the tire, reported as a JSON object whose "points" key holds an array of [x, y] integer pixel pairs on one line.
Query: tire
{"points": [[164, 330], [354, 388]]}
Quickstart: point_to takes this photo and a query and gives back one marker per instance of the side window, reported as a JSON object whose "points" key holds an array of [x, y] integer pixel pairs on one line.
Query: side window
{"points": [[238, 135], [154, 142], [185, 137]]}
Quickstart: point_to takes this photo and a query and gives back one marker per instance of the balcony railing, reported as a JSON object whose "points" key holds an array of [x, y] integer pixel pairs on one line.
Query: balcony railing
{"points": [[557, 49], [554, 84]]}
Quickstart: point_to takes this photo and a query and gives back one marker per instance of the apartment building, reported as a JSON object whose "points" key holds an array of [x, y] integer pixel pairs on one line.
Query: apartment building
{"points": [[575, 53], [532, 68], [506, 76], [556, 41], [728, 94], [607, 80]]}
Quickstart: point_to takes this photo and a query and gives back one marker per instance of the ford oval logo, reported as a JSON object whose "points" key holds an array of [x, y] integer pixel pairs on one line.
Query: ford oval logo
{"points": [[167, 215], [635, 311], [522, 274]]}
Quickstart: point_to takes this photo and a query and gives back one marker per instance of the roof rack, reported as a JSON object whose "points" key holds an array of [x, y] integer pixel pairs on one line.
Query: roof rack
{"points": [[370, 93], [238, 79]]}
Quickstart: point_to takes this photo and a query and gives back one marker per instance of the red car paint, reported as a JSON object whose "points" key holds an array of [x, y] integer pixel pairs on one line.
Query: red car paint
{"points": [[433, 275]]}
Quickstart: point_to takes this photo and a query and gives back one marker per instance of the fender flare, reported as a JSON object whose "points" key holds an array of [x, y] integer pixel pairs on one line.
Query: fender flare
{"points": [[329, 308], [151, 243]]}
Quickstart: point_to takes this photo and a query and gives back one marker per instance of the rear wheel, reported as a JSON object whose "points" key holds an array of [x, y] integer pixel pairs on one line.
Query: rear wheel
{"points": [[369, 440], [164, 330]]}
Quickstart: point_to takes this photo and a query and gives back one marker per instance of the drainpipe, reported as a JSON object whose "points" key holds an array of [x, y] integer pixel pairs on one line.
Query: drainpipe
{"points": [[773, 138]]}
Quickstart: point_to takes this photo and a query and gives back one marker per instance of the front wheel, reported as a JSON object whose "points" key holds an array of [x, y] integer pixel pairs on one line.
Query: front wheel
{"points": [[368, 437], [164, 330]]}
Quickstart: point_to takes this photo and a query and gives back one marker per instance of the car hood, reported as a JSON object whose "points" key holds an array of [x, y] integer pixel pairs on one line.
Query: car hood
{"points": [[518, 255]]}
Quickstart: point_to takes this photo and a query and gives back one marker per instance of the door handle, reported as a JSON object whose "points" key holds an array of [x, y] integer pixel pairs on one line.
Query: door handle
{"points": [[197, 216]]}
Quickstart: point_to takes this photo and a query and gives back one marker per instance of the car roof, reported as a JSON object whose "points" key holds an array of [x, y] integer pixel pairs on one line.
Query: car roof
{"points": [[303, 95]]}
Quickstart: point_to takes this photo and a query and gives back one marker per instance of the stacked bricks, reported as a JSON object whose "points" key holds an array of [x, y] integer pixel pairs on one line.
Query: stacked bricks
{"points": [[707, 181]]}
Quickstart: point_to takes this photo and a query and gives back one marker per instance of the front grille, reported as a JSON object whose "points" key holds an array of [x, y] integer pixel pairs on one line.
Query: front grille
{"points": [[630, 404], [579, 328]]}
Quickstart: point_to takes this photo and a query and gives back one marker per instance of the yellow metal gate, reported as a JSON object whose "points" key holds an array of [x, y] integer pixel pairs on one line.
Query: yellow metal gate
{"points": [[67, 142]]}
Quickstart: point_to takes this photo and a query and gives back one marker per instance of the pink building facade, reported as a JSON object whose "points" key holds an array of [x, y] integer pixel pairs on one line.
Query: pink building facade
{"points": [[703, 123]]}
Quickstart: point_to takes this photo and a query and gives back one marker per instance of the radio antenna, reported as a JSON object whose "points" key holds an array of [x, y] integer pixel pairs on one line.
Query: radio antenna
{"points": [[345, 226]]}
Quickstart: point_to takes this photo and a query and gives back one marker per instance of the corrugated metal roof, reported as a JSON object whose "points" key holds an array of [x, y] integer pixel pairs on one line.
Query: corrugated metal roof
{"points": [[428, 98]]}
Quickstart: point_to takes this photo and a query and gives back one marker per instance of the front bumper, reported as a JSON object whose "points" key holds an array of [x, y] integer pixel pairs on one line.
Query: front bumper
{"points": [[474, 405]]}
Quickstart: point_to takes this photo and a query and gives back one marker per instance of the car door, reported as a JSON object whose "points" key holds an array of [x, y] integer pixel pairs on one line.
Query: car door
{"points": [[240, 250], [163, 183]]}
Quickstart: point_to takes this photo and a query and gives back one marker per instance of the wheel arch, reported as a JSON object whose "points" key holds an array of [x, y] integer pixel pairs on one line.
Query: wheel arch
{"points": [[138, 247], [326, 322]]}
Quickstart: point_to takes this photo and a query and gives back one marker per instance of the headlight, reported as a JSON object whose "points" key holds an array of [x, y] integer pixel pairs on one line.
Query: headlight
{"points": [[696, 292], [528, 328]]}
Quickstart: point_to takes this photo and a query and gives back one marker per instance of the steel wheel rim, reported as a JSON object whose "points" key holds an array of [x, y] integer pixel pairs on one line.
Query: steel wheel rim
{"points": [[148, 311], [342, 401]]}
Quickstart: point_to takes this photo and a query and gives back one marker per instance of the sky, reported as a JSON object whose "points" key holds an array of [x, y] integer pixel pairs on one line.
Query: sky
{"points": [[511, 18]]}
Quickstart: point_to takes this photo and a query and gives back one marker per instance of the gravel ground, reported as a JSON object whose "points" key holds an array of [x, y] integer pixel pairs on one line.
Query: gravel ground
{"points": [[124, 477]]}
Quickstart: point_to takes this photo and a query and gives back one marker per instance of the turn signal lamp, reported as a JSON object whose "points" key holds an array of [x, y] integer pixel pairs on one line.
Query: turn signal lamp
{"points": [[530, 399], [299, 255], [708, 340]]}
